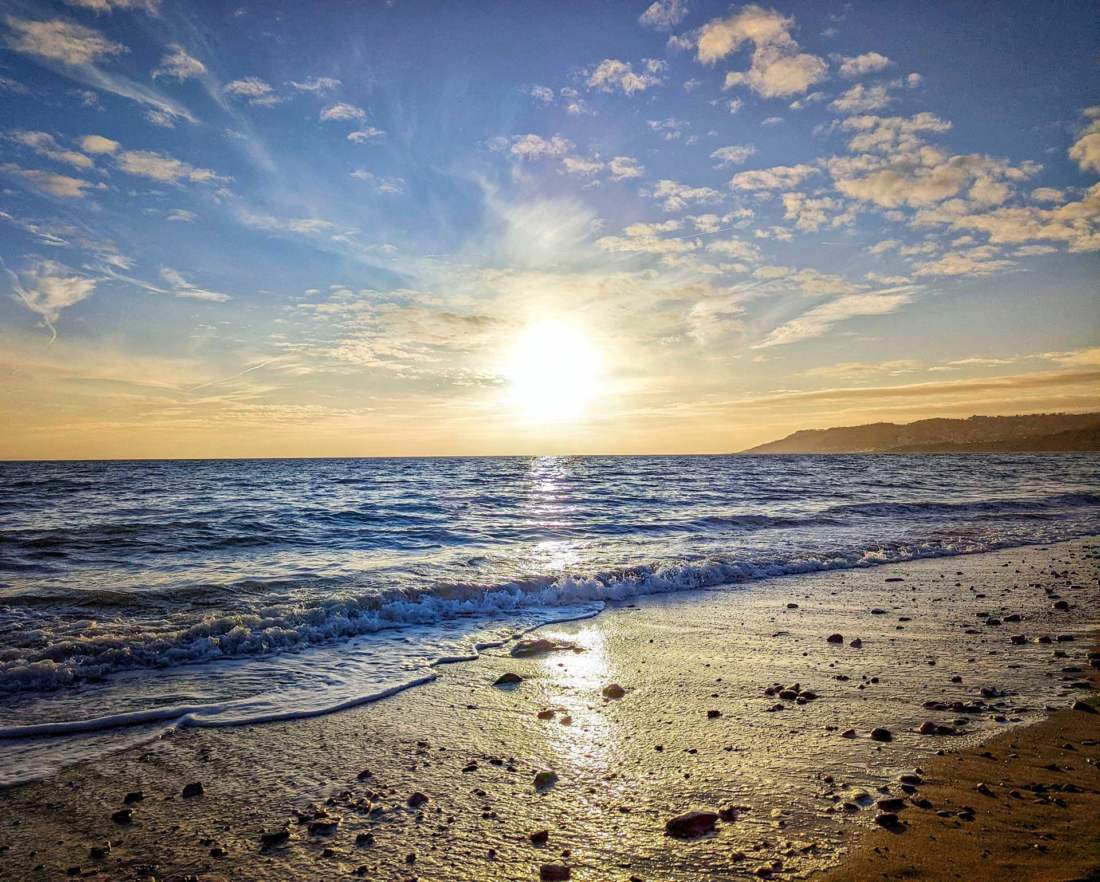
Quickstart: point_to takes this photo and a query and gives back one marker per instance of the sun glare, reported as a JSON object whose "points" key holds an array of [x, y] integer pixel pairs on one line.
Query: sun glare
{"points": [[553, 372]]}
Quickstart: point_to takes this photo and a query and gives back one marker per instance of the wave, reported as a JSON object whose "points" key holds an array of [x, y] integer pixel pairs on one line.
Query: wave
{"points": [[41, 659]]}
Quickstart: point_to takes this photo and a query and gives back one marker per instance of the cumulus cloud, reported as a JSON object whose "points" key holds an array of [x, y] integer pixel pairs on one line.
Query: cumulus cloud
{"points": [[254, 91], [613, 75], [98, 144], [579, 165], [981, 261], [542, 94], [675, 196], [535, 147], [925, 177], [341, 110], [623, 167], [779, 177], [858, 65], [779, 68], [733, 155], [1086, 149], [45, 144], [61, 41], [178, 65], [860, 99], [664, 14], [892, 134]]}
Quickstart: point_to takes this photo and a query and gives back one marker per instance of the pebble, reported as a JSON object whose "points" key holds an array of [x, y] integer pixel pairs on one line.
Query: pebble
{"points": [[880, 734], [554, 873], [507, 679], [691, 824], [613, 690], [835, 638], [195, 788]]}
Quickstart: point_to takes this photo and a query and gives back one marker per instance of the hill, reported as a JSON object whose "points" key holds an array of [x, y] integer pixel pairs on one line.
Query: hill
{"points": [[1040, 432]]}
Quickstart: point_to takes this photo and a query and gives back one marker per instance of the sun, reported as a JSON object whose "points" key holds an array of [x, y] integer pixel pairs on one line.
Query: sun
{"points": [[553, 372]]}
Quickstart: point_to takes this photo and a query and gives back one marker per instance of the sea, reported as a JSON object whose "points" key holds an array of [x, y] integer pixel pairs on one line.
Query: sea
{"points": [[138, 597]]}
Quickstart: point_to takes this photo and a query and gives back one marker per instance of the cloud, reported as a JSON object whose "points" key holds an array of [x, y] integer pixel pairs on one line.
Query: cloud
{"points": [[868, 62], [778, 66], [821, 319], [925, 177], [579, 165], [1048, 194], [860, 99], [46, 145], [100, 6], [176, 64], [892, 134], [1086, 149], [382, 185], [663, 15], [59, 40], [363, 136], [160, 118], [732, 155], [981, 261], [98, 144], [613, 75], [73, 49], [544, 95], [623, 167], [62, 186], [48, 287], [780, 177], [810, 214], [343, 111], [317, 85], [254, 91], [670, 129], [675, 196], [180, 287], [163, 168], [535, 147], [180, 215]]}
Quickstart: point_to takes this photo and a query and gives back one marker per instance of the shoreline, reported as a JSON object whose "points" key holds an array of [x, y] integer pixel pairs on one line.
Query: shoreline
{"points": [[624, 766]]}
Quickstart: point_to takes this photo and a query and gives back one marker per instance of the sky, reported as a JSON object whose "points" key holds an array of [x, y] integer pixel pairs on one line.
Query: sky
{"points": [[428, 228]]}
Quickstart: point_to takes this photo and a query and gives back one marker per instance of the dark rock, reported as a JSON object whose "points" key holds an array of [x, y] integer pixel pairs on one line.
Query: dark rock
{"points": [[554, 873], [614, 690], [1018, 639], [546, 714], [1060, 604], [133, 796], [856, 644], [713, 714], [539, 837], [891, 804], [123, 816], [835, 638], [545, 779], [889, 820], [691, 824], [507, 679], [271, 838], [417, 799], [99, 852], [1083, 706], [195, 788], [880, 734], [364, 775]]}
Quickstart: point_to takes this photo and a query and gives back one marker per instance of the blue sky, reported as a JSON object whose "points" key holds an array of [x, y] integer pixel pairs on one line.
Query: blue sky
{"points": [[298, 229]]}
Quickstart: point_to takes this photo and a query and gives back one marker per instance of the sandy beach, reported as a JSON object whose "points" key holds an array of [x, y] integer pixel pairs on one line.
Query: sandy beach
{"points": [[733, 702]]}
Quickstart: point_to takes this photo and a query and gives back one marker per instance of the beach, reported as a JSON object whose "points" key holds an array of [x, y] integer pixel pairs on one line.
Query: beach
{"points": [[733, 702]]}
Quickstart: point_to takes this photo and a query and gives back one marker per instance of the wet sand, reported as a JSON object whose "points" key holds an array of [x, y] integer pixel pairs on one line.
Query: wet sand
{"points": [[439, 783]]}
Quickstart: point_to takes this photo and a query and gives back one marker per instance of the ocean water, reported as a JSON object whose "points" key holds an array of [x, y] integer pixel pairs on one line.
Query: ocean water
{"points": [[139, 596]]}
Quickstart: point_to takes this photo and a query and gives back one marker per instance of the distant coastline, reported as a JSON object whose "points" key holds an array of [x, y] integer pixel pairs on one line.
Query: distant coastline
{"points": [[1029, 433]]}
